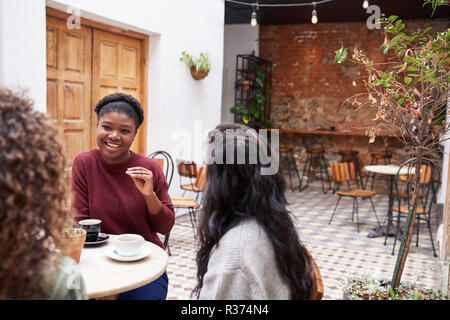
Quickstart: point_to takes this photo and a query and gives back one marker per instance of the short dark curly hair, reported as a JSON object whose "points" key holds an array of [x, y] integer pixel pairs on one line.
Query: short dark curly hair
{"points": [[121, 102]]}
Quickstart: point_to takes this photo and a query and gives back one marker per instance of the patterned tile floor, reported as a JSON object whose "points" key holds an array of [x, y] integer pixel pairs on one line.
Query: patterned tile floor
{"points": [[337, 247]]}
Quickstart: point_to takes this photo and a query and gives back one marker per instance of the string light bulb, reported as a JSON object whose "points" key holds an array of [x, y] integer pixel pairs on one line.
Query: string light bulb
{"points": [[365, 4], [314, 18], [253, 21]]}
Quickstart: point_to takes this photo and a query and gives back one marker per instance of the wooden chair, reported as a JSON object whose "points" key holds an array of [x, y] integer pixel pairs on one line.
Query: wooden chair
{"points": [[349, 155], [186, 170], [199, 184], [189, 203], [183, 203], [166, 163], [317, 289], [428, 185], [406, 180], [345, 172]]}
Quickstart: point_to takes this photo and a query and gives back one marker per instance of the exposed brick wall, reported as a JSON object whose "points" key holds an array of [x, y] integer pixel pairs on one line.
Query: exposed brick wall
{"points": [[309, 89]]}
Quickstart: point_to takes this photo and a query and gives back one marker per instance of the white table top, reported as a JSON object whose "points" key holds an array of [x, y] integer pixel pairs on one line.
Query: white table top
{"points": [[104, 276], [389, 169]]}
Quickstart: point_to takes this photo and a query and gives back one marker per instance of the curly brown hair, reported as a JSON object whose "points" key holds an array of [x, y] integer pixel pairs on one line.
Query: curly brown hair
{"points": [[33, 196]]}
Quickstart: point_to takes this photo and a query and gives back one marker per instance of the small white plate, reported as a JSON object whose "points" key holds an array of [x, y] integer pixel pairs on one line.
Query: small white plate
{"points": [[113, 254]]}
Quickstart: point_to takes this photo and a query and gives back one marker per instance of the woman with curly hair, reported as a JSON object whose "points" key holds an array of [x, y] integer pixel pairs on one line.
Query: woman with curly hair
{"points": [[125, 190], [249, 247], [32, 215]]}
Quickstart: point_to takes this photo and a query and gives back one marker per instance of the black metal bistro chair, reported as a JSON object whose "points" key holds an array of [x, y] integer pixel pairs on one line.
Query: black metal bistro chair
{"points": [[165, 161], [428, 184], [378, 158], [287, 154], [315, 160]]}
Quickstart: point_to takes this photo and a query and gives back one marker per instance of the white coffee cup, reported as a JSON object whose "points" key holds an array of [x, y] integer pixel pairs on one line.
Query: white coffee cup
{"points": [[128, 244]]}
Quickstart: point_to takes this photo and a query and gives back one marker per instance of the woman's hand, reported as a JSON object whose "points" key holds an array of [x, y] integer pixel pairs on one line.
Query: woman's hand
{"points": [[142, 178]]}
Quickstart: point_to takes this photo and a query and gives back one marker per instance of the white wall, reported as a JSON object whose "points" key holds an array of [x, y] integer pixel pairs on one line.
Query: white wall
{"points": [[180, 109], [22, 48], [441, 197], [238, 39]]}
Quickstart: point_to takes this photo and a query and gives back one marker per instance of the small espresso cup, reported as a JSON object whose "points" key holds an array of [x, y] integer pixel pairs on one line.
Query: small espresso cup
{"points": [[128, 244], [92, 227]]}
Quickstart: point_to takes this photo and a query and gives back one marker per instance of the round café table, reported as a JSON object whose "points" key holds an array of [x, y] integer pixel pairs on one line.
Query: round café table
{"points": [[104, 276], [391, 171]]}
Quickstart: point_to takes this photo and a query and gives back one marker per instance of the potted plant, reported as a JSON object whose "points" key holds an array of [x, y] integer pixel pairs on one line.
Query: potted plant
{"points": [[199, 67], [73, 239], [366, 287], [254, 115], [245, 84], [406, 94]]}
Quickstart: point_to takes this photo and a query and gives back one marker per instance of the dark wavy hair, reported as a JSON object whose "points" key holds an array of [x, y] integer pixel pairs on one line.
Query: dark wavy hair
{"points": [[33, 195], [236, 192], [121, 102]]}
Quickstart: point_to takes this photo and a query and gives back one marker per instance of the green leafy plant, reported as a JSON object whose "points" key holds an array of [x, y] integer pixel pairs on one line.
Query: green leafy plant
{"points": [[253, 116], [407, 94], [73, 232], [366, 287], [341, 55], [240, 109], [435, 4], [202, 63]]}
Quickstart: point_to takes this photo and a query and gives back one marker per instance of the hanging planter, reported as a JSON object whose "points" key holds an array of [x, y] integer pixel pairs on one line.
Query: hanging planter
{"points": [[199, 66], [198, 75]]}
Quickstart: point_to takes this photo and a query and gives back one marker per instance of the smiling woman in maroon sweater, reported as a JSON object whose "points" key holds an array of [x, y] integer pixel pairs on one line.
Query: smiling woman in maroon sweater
{"points": [[125, 190]]}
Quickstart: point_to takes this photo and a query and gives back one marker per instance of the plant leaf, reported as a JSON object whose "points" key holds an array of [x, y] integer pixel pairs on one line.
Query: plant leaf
{"points": [[341, 55]]}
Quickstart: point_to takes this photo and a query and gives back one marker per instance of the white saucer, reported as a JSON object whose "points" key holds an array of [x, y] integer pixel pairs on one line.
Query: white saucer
{"points": [[113, 254]]}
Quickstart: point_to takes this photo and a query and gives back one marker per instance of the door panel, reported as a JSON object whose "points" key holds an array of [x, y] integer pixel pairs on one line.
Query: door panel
{"points": [[83, 66], [69, 85], [115, 68]]}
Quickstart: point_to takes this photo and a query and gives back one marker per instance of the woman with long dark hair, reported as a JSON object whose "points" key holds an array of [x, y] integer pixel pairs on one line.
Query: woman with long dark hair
{"points": [[249, 247]]}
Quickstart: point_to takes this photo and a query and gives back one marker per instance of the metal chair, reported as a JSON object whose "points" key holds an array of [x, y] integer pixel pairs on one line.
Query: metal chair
{"points": [[286, 153], [189, 203], [429, 182], [186, 170], [165, 161], [378, 158], [315, 155], [196, 186], [345, 172]]}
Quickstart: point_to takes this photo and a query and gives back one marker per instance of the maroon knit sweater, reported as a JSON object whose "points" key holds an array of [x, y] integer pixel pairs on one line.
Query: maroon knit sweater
{"points": [[103, 191]]}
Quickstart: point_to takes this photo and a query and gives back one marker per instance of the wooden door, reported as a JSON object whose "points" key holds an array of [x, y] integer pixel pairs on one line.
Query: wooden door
{"points": [[84, 65], [69, 85], [116, 67]]}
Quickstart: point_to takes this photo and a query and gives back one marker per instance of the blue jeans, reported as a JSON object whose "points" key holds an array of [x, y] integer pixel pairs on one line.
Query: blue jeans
{"points": [[155, 290]]}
